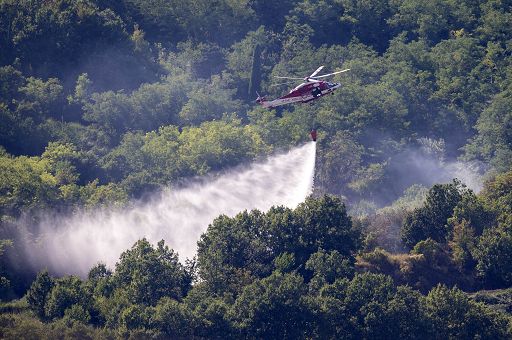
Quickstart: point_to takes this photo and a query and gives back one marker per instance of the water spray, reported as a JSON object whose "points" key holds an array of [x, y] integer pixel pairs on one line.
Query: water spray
{"points": [[73, 244]]}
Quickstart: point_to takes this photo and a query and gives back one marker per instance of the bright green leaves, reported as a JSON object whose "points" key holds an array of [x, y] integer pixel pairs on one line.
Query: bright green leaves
{"points": [[316, 235], [25, 183], [146, 273], [160, 157]]}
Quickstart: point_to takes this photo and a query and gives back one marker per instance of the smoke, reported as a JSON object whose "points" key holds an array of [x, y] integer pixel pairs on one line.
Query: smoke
{"points": [[432, 161], [424, 164], [415, 167], [73, 244]]}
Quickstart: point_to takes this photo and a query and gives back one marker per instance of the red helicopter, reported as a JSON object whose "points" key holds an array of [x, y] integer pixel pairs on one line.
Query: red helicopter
{"points": [[310, 89]]}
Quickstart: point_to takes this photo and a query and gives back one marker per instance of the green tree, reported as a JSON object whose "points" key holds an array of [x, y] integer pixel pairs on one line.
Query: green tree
{"points": [[494, 19], [324, 17], [172, 318], [494, 257], [367, 20], [11, 80], [93, 195], [326, 226], [493, 141], [68, 291], [148, 274], [233, 252], [39, 293], [71, 37], [406, 315], [99, 282], [458, 75], [154, 105], [223, 23], [354, 309], [109, 109], [82, 93], [125, 159], [454, 316], [339, 162], [367, 296], [431, 219], [76, 314], [63, 160], [273, 307], [236, 250], [272, 14], [241, 56], [317, 224], [463, 244], [143, 162], [255, 80], [159, 19], [210, 313], [45, 96], [434, 20], [473, 210], [25, 183], [4, 281], [327, 267], [209, 103], [218, 144], [497, 196]]}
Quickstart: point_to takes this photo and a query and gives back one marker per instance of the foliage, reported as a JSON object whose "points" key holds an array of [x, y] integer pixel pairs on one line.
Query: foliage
{"points": [[103, 101], [493, 255], [327, 267], [455, 316], [235, 250], [67, 293], [146, 273], [140, 297], [340, 160], [463, 245], [272, 307], [39, 291], [497, 196], [24, 183], [173, 319], [255, 80], [431, 219], [161, 157], [4, 282], [354, 309]]}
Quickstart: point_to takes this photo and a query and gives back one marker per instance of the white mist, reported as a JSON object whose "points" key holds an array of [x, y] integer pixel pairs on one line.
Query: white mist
{"points": [[72, 245]]}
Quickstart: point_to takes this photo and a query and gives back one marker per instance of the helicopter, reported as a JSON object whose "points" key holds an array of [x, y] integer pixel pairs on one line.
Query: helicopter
{"points": [[311, 88]]}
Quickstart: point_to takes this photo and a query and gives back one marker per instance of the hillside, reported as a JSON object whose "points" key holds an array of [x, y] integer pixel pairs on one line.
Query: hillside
{"points": [[104, 105]]}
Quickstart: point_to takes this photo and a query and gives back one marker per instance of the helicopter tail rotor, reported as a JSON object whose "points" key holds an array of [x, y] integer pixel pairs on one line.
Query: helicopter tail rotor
{"points": [[260, 99]]}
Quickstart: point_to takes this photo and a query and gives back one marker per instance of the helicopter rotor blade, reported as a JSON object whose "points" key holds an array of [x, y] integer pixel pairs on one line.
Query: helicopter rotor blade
{"points": [[288, 78], [285, 83], [331, 74], [316, 72]]}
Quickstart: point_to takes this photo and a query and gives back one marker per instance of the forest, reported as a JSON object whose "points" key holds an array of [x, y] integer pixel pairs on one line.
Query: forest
{"points": [[407, 234]]}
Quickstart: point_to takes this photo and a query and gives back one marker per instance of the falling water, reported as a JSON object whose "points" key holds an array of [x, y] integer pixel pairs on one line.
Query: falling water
{"points": [[74, 244]]}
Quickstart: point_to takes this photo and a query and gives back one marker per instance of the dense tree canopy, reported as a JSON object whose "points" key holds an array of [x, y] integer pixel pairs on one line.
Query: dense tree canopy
{"points": [[103, 102]]}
